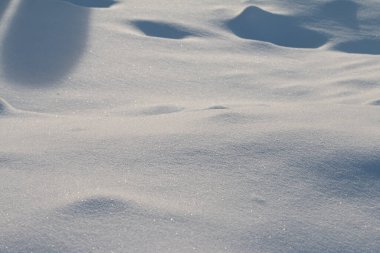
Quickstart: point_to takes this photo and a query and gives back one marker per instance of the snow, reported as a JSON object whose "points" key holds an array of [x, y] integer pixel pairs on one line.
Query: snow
{"points": [[170, 126]]}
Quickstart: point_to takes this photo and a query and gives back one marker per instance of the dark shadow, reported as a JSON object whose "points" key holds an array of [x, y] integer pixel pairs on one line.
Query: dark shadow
{"points": [[376, 102], [3, 7], [96, 206], [344, 12], [350, 175], [44, 42], [161, 29], [371, 168], [161, 109], [361, 167], [256, 24], [92, 3], [363, 46]]}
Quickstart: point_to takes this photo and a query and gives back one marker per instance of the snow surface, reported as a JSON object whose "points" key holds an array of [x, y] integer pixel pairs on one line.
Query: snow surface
{"points": [[178, 126]]}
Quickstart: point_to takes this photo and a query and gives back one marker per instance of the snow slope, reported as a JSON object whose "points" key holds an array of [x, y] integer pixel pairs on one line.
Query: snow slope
{"points": [[170, 126]]}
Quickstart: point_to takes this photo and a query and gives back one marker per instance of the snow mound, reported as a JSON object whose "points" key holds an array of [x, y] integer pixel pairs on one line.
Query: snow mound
{"points": [[162, 29], [257, 24], [103, 223], [6, 108]]}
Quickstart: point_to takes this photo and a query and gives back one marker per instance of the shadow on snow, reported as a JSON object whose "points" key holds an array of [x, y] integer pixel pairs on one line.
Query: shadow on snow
{"points": [[44, 42]]}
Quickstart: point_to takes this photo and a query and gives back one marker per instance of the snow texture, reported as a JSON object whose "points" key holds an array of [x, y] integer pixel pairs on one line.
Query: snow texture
{"points": [[177, 126]]}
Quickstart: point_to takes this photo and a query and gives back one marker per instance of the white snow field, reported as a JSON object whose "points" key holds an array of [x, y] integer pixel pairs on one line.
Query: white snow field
{"points": [[190, 126]]}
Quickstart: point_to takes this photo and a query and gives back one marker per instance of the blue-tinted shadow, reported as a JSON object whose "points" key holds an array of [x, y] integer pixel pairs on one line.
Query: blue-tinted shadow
{"points": [[44, 42], [343, 12], [257, 24], [92, 3], [3, 7], [363, 46], [161, 29], [350, 175]]}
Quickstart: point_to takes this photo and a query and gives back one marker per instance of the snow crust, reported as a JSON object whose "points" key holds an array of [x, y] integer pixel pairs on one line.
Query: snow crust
{"points": [[178, 126]]}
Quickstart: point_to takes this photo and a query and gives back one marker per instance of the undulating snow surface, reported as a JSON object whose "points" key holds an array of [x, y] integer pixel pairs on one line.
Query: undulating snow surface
{"points": [[189, 126]]}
